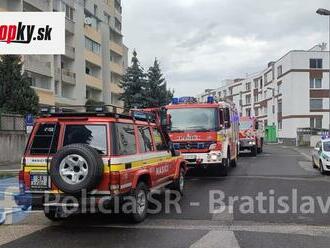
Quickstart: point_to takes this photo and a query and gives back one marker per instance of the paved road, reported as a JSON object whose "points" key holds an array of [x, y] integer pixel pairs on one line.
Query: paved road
{"points": [[280, 173]]}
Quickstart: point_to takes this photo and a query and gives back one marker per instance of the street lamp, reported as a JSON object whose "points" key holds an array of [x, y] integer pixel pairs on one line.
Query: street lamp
{"points": [[325, 12]]}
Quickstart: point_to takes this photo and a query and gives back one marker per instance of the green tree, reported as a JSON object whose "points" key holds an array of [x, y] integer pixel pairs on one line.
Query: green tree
{"points": [[134, 85], [16, 95], [157, 94]]}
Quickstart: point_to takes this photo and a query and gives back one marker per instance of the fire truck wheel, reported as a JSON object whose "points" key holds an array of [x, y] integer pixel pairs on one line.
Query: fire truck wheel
{"points": [[75, 168], [233, 162], [223, 167], [140, 206], [178, 184]]}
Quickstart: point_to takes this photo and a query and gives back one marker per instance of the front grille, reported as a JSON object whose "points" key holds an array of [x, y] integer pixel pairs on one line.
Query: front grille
{"points": [[193, 145]]}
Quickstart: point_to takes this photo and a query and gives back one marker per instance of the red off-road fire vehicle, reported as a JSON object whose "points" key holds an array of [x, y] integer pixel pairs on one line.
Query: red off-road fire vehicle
{"points": [[250, 135], [97, 156], [205, 133]]}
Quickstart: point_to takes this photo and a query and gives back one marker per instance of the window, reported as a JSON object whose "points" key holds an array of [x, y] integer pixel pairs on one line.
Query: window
{"points": [[279, 107], [315, 83], [279, 71], [107, 18], [145, 139], [248, 112], [261, 83], [248, 86], [256, 111], [92, 46], [46, 139], [92, 135], [316, 122], [159, 140], [279, 123], [247, 99], [95, 9], [256, 98], [273, 109], [123, 139], [315, 63], [225, 93], [316, 104], [69, 12], [256, 84], [230, 91]]}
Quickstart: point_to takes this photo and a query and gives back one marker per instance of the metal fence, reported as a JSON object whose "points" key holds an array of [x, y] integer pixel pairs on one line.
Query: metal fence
{"points": [[12, 122], [304, 135]]}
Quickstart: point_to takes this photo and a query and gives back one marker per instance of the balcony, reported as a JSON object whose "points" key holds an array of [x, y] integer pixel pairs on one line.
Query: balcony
{"points": [[70, 52], [117, 48], [93, 34], [116, 68], [68, 76], [34, 64], [93, 58], [94, 82], [69, 25], [39, 4], [46, 97], [114, 88], [65, 101]]}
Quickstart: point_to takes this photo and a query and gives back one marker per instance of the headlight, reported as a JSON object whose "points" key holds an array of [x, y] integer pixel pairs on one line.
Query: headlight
{"points": [[326, 157], [252, 142]]}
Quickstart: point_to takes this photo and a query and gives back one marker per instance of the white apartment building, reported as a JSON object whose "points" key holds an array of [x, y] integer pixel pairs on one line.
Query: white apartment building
{"points": [[291, 93], [95, 57]]}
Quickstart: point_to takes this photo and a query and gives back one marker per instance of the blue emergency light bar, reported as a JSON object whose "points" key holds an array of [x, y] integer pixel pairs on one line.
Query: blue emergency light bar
{"points": [[184, 99]]}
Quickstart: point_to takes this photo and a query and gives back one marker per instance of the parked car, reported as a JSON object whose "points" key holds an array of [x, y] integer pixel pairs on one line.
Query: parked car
{"points": [[102, 154], [321, 156]]}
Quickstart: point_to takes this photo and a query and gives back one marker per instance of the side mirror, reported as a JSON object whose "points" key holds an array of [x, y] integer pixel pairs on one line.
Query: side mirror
{"points": [[317, 149]]}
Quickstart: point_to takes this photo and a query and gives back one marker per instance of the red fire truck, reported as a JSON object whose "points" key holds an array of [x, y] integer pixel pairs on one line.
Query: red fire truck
{"points": [[250, 135], [205, 133]]}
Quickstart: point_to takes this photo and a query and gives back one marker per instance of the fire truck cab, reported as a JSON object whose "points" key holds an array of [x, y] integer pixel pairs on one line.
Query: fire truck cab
{"points": [[250, 135], [205, 133]]}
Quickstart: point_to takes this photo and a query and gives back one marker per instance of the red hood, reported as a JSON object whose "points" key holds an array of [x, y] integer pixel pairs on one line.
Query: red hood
{"points": [[193, 136]]}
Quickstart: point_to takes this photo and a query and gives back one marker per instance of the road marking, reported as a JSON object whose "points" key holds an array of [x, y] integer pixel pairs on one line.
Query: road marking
{"points": [[195, 204], [310, 178], [309, 157], [226, 214], [246, 226], [215, 239]]}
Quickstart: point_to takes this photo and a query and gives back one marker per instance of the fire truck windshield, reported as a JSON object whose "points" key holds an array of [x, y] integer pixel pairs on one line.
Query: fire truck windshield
{"points": [[244, 125], [193, 119]]}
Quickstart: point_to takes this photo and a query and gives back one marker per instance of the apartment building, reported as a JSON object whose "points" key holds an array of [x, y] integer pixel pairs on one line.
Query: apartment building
{"points": [[95, 57], [289, 94]]}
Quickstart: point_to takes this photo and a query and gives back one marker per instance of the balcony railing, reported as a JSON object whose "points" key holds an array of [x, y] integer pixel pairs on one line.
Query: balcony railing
{"points": [[69, 25], [70, 52], [68, 76], [35, 65], [43, 5]]}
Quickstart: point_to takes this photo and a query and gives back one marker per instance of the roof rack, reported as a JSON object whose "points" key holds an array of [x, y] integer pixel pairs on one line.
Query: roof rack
{"points": [[95, 110]]}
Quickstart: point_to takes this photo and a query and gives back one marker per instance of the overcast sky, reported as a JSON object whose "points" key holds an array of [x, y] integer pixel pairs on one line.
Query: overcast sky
{"points": [[201, 42]]}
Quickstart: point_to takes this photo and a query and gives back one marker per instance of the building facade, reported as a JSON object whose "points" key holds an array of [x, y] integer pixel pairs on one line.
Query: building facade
{"points": [[291, 93], [95, 57]]}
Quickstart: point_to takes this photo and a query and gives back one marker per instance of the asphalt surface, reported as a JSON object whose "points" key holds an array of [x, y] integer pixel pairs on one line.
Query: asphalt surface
{"points": [[278, 173]]}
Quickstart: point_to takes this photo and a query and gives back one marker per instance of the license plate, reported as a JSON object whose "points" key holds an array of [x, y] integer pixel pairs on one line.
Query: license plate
{"points": [[190, 157], [39, 181]]}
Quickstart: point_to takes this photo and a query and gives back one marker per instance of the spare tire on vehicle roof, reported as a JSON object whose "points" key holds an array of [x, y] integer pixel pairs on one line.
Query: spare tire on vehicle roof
{"points": [[75, 168]]}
